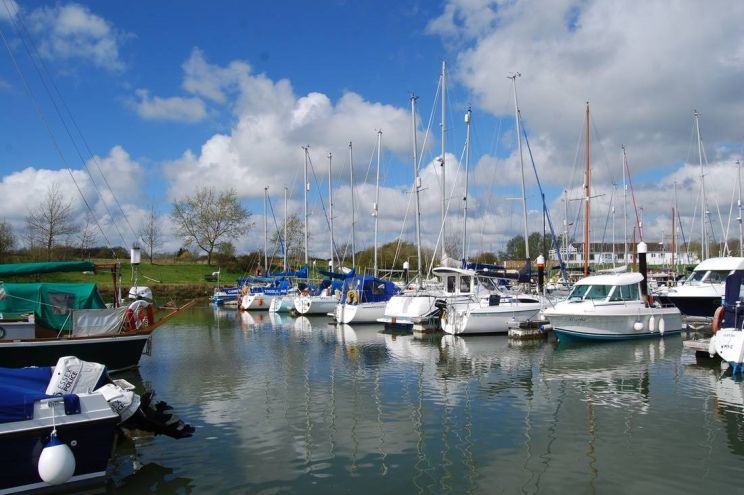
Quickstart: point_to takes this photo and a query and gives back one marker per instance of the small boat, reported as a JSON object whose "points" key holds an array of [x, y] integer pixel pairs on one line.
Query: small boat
{"points": [[44, 321], [273, 286], [58, 425], [225, 296], [612, 307], [701, 293], [728, 325], [363, 299], [323, 300], [491, 315]]}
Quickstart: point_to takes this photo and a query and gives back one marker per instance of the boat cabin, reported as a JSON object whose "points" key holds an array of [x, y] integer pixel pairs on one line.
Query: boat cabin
{"points": [[622, 287], [715, 270]]}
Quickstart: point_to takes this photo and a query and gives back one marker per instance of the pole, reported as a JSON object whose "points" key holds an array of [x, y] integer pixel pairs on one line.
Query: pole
{"points": [[286, 246], [330, 205], [465, 199], [443, 125], [307, 188], [353, 206], [587, 179], [739, 219], [266, 230], [703, 239], [514, 77], [377, 195], [416, 187], [625, 209]]}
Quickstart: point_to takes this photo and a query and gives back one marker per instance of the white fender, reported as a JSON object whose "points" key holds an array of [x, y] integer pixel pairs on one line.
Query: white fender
{"points": [[652, 323]]}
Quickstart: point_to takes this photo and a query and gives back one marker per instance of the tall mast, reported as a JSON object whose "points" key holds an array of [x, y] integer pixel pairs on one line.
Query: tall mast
{"points": [[416, 186], [703, 237], [514, 77], [614, 190], [587, 179], [443, 125], [330, 205], [465, 199], [565, 221], [307, 188], [739, 219], [377, 193], [353, 207], [266, 231], [625, 208], [286, 246], [674, 241]]}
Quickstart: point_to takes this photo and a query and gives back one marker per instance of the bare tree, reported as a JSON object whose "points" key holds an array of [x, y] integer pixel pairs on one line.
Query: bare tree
{"points": [[7, 240], [150, 233], [50, 221], [295, 238], [207, 217], [88, 234]]}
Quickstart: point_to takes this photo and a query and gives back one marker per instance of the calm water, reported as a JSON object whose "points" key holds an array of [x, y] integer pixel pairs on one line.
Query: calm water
{"points": [[299, 406]]}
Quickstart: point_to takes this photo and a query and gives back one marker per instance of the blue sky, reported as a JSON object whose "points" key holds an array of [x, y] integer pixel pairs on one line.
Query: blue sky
{"points": [[172, 96]]}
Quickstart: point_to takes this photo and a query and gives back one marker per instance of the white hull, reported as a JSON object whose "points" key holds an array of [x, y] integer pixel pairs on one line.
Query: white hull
{"points": [[360, 313], [613, 321], [478, 319], [315, 305], [258, 301], [412, 308], [283, 304], [729, 344]]}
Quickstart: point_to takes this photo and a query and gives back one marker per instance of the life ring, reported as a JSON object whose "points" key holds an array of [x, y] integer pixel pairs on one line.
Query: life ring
{"points": [[352, 297], [717, 319], [139, 315]]}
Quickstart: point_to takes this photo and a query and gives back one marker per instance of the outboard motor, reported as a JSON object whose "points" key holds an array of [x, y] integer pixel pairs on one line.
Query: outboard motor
{"points": [[441, 305]]}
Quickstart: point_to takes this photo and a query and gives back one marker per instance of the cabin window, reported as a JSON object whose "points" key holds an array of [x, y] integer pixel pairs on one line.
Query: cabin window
{"points": [[625, 293], [717, 276], [598, 292], [450, 284], [577, 294], [464, 284]]}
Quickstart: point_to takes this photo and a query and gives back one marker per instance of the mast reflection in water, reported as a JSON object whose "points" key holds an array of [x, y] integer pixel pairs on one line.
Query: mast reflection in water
{"points": [[295, 405]]}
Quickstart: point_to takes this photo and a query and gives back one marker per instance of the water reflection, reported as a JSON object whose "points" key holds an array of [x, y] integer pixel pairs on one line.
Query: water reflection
{"points": [[296, 404]]}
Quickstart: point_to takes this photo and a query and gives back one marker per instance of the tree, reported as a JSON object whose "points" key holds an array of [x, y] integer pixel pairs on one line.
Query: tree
{"points": [[88, 235], [515, 247], [207, 217], [7, 240], [150, 233], [50, 221]]}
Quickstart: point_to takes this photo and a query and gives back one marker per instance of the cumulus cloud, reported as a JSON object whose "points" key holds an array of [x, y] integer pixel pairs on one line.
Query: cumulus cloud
{"points": [[174, 108], [9, 10], [72, 31]]}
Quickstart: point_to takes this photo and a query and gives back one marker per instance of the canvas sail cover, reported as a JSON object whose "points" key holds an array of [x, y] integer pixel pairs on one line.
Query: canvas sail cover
{"points": [[94, 322], [13, 269], [51, 303]]}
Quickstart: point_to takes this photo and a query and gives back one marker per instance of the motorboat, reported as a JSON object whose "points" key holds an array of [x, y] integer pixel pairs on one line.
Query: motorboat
{"points": [[490, 315], [728, 325], [612, 307], [42, 321], [459, 285], [700, 295], [58, 425], [363, 299]]}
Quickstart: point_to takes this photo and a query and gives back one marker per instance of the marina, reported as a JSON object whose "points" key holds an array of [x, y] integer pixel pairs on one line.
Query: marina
{"points": [[295, 405]]}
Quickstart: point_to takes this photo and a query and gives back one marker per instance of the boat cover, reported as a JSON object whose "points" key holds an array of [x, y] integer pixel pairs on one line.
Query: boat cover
{"points": [[21, 387], [370, 289], [50, 302], [733, 311], [11, 269]]}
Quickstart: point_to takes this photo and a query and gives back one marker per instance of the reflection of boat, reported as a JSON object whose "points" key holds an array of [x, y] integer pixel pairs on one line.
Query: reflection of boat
{"points": [[701, 293], [611, 307], [45, 321], [58, 424]]}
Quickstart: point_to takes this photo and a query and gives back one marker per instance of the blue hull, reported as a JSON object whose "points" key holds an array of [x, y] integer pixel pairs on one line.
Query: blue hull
{"points": [[19, 454], [568, 335]]}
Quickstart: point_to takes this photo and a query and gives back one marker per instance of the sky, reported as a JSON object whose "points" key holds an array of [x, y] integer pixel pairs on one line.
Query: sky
{"points": [[130, 106]]}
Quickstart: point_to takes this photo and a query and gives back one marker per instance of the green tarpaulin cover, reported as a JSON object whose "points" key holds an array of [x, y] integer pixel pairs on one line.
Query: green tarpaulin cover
{"points": [[50, 302], [10, 269]]}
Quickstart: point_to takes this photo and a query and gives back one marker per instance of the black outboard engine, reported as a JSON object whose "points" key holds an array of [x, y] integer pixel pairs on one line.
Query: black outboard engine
{"points": [[158, 418], [441, 305]]}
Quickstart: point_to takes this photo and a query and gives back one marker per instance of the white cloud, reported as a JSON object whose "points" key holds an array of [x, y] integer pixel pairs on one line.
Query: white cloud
{"points": [[72, 31], [174, 108], [8, 10]]}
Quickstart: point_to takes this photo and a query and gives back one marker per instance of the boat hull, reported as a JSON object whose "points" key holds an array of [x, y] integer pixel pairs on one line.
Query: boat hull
{"points": [[477, 319], [620, 325], [90, 435], [360, 313], [315, 305], [695, 305], [256, 302], [729, 344], [283, 304], [115, 352]]}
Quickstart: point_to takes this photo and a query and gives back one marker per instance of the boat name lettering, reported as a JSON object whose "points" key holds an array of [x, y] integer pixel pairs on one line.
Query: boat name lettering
{"points": [[68, 380]]}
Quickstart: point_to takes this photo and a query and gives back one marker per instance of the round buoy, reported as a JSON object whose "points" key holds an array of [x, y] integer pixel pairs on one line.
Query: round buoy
{"points": [[56, 462], [638, 326]]}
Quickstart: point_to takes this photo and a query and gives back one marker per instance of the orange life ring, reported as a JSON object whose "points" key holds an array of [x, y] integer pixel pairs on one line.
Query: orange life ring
{"points": [[139, 315], [717, 319]]}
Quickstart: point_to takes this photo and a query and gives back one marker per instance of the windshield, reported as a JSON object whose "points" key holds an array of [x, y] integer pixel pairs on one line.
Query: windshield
{"points": [[577, 294], [587, 292]]}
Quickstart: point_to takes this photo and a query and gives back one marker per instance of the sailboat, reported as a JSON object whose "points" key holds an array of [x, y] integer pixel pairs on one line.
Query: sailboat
{"points": [[363, 298], [492, 315]]}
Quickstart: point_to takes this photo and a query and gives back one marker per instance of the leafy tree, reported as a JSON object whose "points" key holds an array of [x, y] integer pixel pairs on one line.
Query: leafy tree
{"points": [[50, 221], [208, 217], [150, 233], [515, 247], [7, 240]]}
